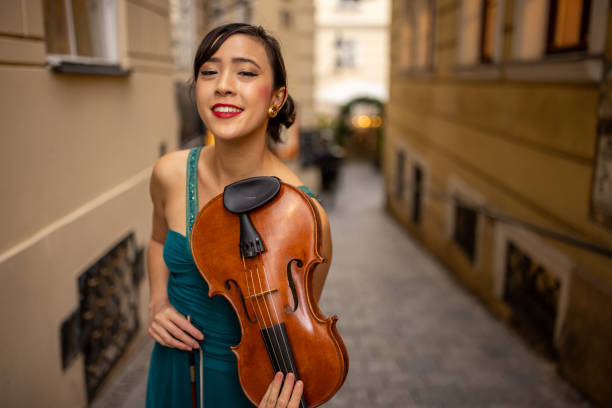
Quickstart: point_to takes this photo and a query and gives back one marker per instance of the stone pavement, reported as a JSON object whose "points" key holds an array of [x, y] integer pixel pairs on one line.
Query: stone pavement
{"points": [[415, 338]]}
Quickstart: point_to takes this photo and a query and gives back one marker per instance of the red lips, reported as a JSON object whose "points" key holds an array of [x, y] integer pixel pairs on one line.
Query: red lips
{"points": [[225, 115]]}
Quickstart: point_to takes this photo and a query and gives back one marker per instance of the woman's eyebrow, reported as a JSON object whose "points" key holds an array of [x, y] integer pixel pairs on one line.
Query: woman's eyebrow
{"points": [[236, 59]]}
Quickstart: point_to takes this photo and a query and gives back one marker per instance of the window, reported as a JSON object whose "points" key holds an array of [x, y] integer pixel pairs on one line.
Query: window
{"points": [[556, 26], [417, 35], [400, 163], [81, 30], [348, 3], [489, 30], [568, 25], [480, 23], [533, 293], [464, 233], [417, 193], [285, 18], [346, 53]]}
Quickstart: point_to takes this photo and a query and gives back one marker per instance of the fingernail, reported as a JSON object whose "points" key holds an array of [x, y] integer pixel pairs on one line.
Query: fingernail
{"points": [[196, 346]]}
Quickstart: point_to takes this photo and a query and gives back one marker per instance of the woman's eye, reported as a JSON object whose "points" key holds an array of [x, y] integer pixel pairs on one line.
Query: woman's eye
{"points": [[208, 72], [247, 73]]}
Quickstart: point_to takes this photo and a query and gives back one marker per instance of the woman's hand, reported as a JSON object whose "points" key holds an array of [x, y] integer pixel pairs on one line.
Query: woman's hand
{"points": [[171, 329], [289, 396]]}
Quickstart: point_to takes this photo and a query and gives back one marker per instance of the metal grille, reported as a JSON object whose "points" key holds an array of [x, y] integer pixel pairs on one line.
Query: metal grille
{"points": [[533, 294], [108, 310]]}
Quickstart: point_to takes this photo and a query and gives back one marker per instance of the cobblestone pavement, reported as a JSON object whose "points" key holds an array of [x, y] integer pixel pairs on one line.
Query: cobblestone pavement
{"points": [[414, 337]]}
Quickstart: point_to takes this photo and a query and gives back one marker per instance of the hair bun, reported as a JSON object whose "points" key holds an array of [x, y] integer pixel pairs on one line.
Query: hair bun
{"points": [[286, 116]]}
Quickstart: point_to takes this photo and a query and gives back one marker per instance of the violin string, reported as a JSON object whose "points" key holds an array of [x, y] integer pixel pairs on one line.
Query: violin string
{"points": [[270, 316], [260, 319], [277, 317]]}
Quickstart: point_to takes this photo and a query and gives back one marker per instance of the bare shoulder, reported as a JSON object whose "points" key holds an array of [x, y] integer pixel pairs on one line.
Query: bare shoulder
{"points": [[168, 172], [283, 172]]}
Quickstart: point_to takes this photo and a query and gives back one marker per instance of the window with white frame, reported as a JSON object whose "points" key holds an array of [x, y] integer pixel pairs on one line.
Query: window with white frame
{"points": [[416, 36], [346, 52], [547, 27], [480, 29], [81, 31], [465, 222]]}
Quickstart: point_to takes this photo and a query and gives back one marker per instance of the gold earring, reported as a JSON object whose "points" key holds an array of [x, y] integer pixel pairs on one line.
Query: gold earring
{"points": [[272, 112]]}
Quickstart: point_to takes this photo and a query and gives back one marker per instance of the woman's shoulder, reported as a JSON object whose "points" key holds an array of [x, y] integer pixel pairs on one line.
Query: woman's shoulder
{"points": [[169, 169], [282, 171]]}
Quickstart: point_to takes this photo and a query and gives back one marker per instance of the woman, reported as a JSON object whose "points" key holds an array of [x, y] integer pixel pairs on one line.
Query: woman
{"points": [[241, 95]]}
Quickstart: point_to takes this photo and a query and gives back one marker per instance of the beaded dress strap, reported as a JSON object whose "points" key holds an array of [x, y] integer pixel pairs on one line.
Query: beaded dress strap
{"points": [[308, 192], [191, 201]]}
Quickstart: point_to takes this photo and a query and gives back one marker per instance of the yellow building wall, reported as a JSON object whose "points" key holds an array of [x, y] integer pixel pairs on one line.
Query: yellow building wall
{"points": [[527, 150], [76, 153]]}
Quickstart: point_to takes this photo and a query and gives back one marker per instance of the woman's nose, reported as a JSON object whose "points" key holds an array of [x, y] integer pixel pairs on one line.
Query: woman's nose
{"points": [[225, 84]]}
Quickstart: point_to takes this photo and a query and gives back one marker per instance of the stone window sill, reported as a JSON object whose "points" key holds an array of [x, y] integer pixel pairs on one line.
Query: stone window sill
{"points": [[84, 67], [416, 73], [553, 68], [575, 68]]}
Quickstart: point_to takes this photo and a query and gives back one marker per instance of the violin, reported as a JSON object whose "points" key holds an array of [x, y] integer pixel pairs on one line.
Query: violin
{"points": [[257, 244]]}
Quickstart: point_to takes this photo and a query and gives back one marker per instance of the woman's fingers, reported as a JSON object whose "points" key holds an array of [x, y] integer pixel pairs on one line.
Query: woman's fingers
{"points": [[296, 396], [269, 398], [167, 339], [181, 335], [283, 398], [171, 329], [290, 395], [186, 326]]}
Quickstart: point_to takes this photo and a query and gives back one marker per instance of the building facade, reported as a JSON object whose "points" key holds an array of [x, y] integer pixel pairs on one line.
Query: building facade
{"points": [[94, 93], [87, 108], [351, 52], [497, 158]]}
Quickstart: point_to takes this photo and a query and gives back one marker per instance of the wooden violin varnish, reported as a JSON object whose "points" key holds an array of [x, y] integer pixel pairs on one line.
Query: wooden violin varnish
{"points": [[257, 245]]}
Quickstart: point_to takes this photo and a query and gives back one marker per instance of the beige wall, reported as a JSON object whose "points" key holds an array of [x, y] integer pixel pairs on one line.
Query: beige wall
{"points": [[76, 154], [365, 23], [297, 45], [517, 138]]}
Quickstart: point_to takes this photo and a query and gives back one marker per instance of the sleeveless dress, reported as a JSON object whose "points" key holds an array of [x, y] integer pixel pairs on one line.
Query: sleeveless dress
{"points": [[168, 384]]}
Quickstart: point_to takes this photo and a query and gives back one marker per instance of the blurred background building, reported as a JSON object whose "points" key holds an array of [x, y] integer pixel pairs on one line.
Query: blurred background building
{"points": [[498, 160], [493, 118], [352, 52], [94, 92]]}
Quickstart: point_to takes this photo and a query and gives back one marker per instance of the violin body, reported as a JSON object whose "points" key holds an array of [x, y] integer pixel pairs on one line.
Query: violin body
{"points": [[271, 292]]}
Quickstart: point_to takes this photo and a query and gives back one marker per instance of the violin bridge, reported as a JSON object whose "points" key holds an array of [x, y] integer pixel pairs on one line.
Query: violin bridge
{"points": [[262, 293]]}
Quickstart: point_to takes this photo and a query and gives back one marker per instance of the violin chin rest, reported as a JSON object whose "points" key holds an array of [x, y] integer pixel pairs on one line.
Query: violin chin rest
{"points": [[246, 195]]}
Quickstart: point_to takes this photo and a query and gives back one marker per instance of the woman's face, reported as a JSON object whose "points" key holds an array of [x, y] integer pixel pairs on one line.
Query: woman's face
{"points": [[234, 88]]}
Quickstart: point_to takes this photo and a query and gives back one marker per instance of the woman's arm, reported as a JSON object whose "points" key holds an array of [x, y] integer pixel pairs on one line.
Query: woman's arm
{"points": [[320, 272], [167, 326]]}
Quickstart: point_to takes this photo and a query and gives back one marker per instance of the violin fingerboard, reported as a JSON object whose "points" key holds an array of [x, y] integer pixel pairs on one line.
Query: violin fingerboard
{"points": [[279, 350]]}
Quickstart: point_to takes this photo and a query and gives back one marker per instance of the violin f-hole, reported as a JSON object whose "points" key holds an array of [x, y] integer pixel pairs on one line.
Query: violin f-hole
{"points": [[228, 286], [299, 264]]}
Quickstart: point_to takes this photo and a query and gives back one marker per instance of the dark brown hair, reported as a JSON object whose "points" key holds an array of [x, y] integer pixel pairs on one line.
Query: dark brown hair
{"points": [[216, 37]]}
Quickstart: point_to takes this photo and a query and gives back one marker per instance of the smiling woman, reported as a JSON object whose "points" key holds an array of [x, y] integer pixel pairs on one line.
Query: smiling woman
{"points": [[241, 94]]}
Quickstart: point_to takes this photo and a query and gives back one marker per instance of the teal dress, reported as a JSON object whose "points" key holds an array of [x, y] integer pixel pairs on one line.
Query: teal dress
{"points": [[168, 383]]}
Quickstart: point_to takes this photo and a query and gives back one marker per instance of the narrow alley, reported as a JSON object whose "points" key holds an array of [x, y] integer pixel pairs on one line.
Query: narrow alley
{"points": [[415, 337]]}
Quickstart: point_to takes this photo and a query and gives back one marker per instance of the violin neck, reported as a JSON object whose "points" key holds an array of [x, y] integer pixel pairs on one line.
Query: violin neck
{"points": [[279, 350]]}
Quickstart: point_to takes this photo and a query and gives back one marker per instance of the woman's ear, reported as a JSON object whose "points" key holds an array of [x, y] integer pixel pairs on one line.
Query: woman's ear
{"points": [[280, 97]]}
